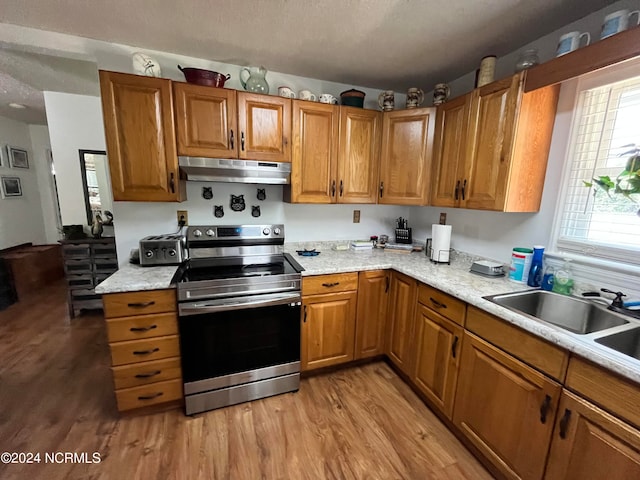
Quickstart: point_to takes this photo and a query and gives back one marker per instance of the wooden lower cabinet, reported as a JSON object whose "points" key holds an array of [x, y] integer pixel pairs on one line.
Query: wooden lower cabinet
{"points": [[438, 344], [402, 305], [142, 328], [505, 408], [588, 443], [328, 329], [371, 316]]}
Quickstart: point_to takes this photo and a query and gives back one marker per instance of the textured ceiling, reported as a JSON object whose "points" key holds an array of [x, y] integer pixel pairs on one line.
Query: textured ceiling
{"points": [[373, 43]]}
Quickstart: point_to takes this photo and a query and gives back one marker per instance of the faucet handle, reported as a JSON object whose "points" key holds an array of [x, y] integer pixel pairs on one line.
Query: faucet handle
{"points": [[617, 302]]}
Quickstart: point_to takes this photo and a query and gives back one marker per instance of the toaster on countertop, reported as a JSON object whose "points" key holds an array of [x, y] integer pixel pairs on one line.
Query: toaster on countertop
{"points": [[163, 250]]}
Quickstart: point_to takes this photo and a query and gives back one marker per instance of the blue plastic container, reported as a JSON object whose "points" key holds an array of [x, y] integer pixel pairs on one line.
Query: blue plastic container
{"points": [[535, 272]]}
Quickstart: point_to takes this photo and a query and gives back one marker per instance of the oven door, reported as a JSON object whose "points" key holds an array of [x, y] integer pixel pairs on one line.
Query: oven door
{"points": [[236, 340]]}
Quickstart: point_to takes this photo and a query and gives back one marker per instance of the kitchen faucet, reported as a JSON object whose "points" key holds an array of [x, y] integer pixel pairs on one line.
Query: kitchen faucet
{"points": [[617, 305]]}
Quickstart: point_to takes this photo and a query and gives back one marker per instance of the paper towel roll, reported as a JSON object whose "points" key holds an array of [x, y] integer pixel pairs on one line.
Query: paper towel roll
{"points": [[440, 243]]}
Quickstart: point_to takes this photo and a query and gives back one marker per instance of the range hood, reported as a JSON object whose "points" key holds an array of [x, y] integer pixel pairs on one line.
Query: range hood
{"points": [[234, 170]]}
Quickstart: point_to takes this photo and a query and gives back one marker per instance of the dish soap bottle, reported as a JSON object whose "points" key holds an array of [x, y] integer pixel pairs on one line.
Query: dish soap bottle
{"points": [[535, 272], [563, 279], [547, 278]]}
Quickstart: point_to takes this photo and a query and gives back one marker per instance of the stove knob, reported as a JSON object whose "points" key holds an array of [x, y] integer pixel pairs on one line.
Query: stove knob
{"points": [[276, 231], [172, 252], [148, 253], [197, 233], [266, 231], [210, 232]]}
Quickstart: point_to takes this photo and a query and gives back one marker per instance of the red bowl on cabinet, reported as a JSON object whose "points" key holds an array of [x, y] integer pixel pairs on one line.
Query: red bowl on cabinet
{"points": [[207, 78]]}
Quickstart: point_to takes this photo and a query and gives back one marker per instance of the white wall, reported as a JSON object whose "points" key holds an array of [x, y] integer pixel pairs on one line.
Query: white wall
{"points": [[303, 223], [40, 142], [21, 218], [546, 46], [75, 123], [494, 234]]}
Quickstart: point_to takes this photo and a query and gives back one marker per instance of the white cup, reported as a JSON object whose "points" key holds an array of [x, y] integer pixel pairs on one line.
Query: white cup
{"points": [[307, 95], [328, 98], [570, 42], [618, 21], [286, 92]]}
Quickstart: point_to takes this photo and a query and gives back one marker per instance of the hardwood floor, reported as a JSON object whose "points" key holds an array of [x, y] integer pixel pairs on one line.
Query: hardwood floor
{"points": [[56, 395]]}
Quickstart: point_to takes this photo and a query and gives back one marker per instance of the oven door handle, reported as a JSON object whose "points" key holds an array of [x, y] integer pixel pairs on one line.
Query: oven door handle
{"points": [[195, 308]]}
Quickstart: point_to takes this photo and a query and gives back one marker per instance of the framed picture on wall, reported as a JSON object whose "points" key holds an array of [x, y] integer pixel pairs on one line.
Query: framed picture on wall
{"points": [[18, 157], [11, 187]]}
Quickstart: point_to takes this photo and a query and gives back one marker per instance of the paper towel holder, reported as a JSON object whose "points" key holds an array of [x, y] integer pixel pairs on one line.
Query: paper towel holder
{"points": [[440, 254]]}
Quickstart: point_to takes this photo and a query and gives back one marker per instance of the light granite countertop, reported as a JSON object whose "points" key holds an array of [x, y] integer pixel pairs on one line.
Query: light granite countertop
{"points": [[454, 279]]}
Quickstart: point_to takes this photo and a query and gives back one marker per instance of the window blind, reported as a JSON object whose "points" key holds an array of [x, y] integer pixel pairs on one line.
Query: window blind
{"points": [[605, 127]]}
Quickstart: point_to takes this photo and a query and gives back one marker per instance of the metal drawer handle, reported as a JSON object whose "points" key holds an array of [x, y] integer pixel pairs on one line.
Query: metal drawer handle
{"points": [[464, 187], [141, 304], [143, 329], [564, 423], [437, 303], [149, 375], [454, 346], [146, 352], [151, 397], [231, 139], [455, 194], [329, 285], [544, 409], [386, 286], [304, 320]]}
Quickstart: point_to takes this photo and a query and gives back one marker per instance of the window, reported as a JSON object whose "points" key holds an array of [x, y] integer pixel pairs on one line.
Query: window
{"points": [[605, 129]]}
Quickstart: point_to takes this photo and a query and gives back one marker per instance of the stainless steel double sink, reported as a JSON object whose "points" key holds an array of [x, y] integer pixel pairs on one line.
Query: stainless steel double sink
{"points": [[587, 320]]}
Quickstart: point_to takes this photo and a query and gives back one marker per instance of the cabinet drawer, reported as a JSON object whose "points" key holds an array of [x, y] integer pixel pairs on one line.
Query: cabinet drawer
{"points": [[77, 266], [139, 303], [80, 281], [339, 282], [80, 250], [123, 353], [142, 326], [542, 355], [444, 304], [144, 373], [616, 394], [152, 394]]}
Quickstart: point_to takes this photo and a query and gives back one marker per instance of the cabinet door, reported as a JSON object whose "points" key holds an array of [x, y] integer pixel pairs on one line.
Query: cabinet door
{"points": [[140, 135], [373, 295], [358, 157], [452, 119], [407, 145], [205, 121], [314, 152], [492, 127], [265, 125], [437, 357], [505, 408], [402, 305], [328, 328], [588, 443]]}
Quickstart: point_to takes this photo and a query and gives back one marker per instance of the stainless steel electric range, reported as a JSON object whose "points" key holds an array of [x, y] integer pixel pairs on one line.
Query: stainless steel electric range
{"points": [[239, 316]]}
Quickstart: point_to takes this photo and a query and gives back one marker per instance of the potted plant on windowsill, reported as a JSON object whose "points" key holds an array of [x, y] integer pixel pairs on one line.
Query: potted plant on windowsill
{"points": [[627, 182]]}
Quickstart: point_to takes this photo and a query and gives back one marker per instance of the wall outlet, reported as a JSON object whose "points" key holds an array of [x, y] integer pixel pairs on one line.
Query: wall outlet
{"points": [[356, 216], [183, 215]]}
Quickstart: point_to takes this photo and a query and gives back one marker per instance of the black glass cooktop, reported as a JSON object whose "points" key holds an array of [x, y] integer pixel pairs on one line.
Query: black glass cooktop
{"points": [[221, 272]]}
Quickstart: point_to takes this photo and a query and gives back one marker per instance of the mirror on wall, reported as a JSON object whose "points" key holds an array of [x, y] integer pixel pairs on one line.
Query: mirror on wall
{"points": [[96, 184]]}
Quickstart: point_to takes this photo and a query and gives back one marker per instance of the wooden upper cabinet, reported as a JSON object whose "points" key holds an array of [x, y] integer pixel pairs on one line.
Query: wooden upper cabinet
{"points": [[452, 121], [140, 136], [505, 408], [371, 315], [314, 136], [405, 164], [493, 109], [400, 324], [264, 124], [358, 157], [206, 123], [590, 444]]}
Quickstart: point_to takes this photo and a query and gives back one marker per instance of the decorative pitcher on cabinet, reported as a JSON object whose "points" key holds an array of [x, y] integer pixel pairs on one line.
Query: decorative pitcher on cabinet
{"points": [[256, 81]]}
